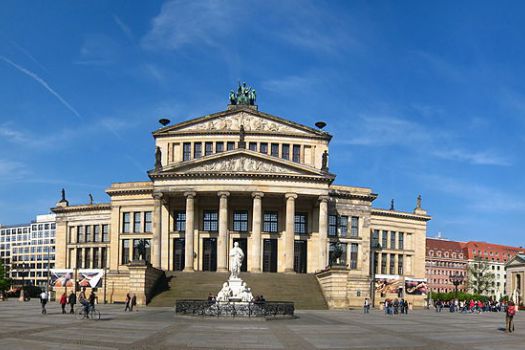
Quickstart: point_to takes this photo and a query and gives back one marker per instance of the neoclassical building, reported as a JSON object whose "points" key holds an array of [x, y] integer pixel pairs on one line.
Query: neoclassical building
{"points": [[242, 175]]}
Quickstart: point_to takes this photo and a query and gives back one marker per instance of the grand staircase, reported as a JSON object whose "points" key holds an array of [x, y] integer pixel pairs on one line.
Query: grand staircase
{"points": [[302, 289]]}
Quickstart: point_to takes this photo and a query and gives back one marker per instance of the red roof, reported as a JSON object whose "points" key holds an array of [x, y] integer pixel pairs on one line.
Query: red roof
{"points": [[490, 251]]}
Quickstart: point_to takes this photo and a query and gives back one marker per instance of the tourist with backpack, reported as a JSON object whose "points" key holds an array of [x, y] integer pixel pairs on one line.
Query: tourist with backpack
{"points": [[509, 318]]}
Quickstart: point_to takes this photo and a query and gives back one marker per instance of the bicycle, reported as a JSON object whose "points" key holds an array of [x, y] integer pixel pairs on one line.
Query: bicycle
{"points": [[91, 313]]}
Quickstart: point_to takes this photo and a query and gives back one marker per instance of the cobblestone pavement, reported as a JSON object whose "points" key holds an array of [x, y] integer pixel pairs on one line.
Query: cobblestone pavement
{"points": [[23, 327]]}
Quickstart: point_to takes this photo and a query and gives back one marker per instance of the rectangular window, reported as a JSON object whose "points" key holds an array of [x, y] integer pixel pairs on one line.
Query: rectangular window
{"points": [[252, 146], [296, 153], [148, 221], [105, 233], [208, 148], [400, 240], [301, 221], [79, 258], [95, 258], [136, 249], [126, 223], [240, 221], [400, 264], [219, 147], [384, 242], [355, 226], [353, 255], [136, 222], [125, 251], [96, 233], [275, 149], [375, 238], [285, 151], [186, 151], [270, 222], [383, 263], [211, 221], [104, 256], [80, 234], [230, 146], [332, 225], [392, 240], [71, 235], [197, 150], [263, 148], [87, 258], [179, 221], [392, 264], [343, 225]]}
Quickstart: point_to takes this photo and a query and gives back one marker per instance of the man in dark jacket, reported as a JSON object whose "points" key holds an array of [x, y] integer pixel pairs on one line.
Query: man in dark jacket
{"points": [[72, 300]]}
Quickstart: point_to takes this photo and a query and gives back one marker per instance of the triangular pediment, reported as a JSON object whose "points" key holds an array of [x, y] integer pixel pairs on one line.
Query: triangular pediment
{"points": [[252, 120], [242, 161], [518, 260]]}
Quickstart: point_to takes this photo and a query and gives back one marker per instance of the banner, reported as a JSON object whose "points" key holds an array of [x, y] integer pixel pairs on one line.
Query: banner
{"points": [[62, 278], [387, 284], [416, 286], [90, 278]]}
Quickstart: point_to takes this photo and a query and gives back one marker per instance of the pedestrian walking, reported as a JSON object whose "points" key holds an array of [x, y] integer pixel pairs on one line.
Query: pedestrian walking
{"points": [[133, 302], [509, 318], [128, 303], [72, 300], [63, 302], [43, 301], [366, 306]]}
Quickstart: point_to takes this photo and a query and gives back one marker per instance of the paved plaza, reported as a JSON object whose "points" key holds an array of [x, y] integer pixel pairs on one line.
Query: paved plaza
{"points": [[23, 327]]}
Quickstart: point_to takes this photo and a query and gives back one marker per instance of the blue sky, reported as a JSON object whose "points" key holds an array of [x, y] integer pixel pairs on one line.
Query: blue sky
{"points": [[421, 97]]}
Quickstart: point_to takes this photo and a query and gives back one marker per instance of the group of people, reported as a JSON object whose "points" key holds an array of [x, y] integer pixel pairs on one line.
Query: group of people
{"points": [[470, 306], [71, 300], [131, 302], [396, 306]]}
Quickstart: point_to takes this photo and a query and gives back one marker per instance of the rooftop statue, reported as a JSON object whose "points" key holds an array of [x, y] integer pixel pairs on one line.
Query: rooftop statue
{"points": [[245, 96]]}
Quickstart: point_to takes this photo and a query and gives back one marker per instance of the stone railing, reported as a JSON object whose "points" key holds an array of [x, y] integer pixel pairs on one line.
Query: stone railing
{"points": [[274, 309]]}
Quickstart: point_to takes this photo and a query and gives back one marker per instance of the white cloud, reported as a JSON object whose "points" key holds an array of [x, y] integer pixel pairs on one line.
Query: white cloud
{"points": [[479, 158], [123, 27], [98, 50], [11, 169], [181, 23]]}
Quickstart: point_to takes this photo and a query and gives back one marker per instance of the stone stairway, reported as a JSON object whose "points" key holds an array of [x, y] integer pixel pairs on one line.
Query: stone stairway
{"points": [[302, 289]]}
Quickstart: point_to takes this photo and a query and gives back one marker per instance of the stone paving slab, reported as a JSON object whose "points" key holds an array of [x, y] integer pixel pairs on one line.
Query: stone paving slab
{"points": [[23, 327]]}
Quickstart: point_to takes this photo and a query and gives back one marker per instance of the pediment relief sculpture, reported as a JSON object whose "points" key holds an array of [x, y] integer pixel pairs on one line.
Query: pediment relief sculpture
{"points": [[242, 164], [249, 121]]}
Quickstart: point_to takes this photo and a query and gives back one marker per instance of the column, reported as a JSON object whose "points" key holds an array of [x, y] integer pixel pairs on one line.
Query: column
{"points": [[289, 235], [99, 262], [255, 249], [189, 250], [155, 239], [379, 263], [323, 231], [222, 241]]}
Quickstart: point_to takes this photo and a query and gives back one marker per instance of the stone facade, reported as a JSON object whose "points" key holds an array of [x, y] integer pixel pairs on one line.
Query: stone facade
{"points": [[516, 279], [247, 176]]}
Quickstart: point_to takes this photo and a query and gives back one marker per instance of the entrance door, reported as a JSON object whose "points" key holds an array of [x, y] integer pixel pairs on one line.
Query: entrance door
{"points": [[299, 259], [243, 244], [178, 254], [209, 254], [270, 255]]}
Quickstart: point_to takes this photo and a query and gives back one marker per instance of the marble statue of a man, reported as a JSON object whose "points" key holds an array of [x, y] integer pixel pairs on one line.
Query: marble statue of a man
{"points": [[237, 256]]}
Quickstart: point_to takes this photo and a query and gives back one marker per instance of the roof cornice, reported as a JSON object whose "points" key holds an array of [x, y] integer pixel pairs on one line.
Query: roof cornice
{"points": [[400, 215], [81, 208]]}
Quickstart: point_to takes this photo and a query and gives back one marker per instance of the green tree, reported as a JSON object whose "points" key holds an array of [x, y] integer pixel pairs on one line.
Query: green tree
{"points": [[5, 282], [480, 277]]}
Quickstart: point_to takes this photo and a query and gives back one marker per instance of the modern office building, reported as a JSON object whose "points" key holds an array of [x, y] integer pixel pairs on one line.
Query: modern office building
{"points": [[28, 250]]}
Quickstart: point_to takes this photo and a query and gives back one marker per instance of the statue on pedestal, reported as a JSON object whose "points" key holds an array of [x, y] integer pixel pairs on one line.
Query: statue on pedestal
{"points": [[237, 256], [225, 293]]}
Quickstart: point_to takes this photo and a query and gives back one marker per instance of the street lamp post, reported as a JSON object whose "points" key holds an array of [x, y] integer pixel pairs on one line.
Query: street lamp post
{"points": [[456, 280], [373, 249]]}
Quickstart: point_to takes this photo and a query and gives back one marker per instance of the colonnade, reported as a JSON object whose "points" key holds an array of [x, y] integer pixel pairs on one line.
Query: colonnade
{"points": [[222, 240]]}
